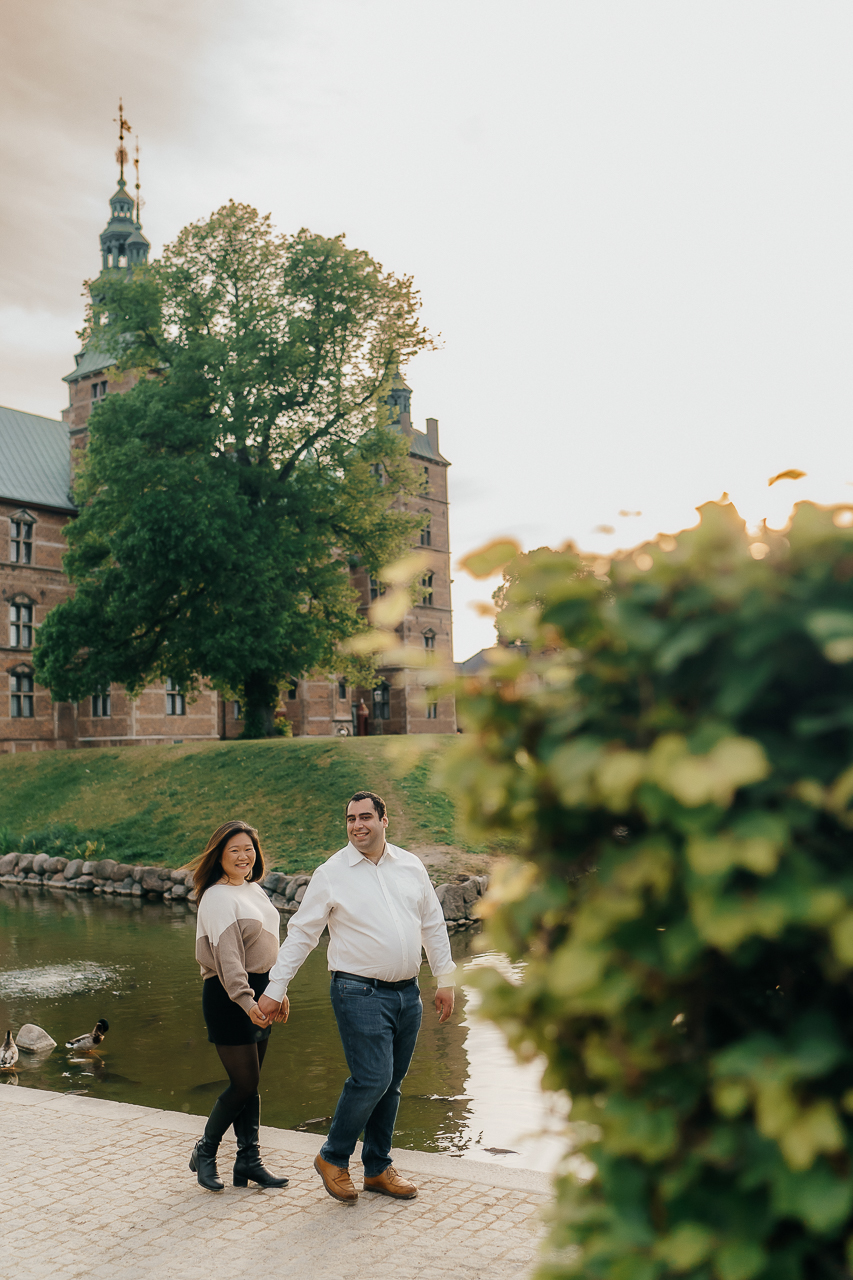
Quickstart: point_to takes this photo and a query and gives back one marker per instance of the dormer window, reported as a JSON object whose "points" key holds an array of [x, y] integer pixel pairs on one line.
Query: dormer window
{"points": [[21, 544]]}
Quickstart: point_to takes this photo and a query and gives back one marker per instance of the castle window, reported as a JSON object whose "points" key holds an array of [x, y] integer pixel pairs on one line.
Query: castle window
{"points": [[21, 628], [101, 703], [99, 390], [22, 542], [342, 691], [238, 711], [291, 690], [176, 703], [426, 534], [378, 472], [382, 702], [429, 639], [426, 589], [376, 588], [431, 706], [22, 695]]}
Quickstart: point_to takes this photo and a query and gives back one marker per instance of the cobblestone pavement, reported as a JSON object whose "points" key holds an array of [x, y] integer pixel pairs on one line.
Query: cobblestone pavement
{"points": [[101, 1190]]}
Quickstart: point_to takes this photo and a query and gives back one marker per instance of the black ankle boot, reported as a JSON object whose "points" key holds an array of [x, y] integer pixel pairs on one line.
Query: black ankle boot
{"points": [[249, 1167], [203, 1158]]}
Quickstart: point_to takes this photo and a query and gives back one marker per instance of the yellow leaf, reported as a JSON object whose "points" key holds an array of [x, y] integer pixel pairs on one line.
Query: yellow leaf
{"points": [[388, 610], [685, 1247], [368, 642], [730, 1097], [841, 935], [575, 968], [402, 572], [715, 856], [617, 776], [775, 1108], [818, 1129], [490, 559], [791, 474]]}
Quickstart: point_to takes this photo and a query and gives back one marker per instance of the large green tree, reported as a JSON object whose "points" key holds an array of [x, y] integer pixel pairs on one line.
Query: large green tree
{"points": [[224, 498]]}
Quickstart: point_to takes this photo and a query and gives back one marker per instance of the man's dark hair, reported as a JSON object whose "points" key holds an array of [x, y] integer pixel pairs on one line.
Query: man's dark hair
{"points": [[378, 802]]}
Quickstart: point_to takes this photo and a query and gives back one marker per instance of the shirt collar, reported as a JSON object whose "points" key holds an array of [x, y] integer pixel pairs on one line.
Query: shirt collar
{"points": [[354, 856]]}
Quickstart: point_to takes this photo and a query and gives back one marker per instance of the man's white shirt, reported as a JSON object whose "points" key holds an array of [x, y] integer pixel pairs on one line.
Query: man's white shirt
{"points": [[379, 916]]}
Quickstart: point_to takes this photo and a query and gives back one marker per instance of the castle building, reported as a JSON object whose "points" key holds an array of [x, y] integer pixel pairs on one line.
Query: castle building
{"points": [[39, 456]]}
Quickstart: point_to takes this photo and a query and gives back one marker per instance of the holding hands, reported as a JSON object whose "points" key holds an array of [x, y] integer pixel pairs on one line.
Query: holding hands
{"points": [[267, 1011]]}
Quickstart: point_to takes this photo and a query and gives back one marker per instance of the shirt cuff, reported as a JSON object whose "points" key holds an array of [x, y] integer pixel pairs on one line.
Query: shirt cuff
{"points": [[446, 979], [276, 991]]}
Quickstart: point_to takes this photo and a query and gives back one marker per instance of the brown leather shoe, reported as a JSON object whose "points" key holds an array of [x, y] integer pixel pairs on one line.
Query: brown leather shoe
{"points": [[389, 1183], [336, 1180]]}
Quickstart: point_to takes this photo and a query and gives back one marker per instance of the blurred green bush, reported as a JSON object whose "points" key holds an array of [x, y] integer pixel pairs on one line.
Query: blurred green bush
{"points": [[669, 739]]}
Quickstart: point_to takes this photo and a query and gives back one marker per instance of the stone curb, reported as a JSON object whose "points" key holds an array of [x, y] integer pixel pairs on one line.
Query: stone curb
{"points": [[303, 1145], [161, 884]]}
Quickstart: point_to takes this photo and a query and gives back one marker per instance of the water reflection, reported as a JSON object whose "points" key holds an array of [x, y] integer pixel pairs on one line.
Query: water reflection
{"points": [[66, 961]]}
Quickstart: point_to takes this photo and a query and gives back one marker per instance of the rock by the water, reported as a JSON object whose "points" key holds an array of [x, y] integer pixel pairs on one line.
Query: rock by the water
{"points": [[74, 869], [179, 890], [452, 901], [8, 863], [34, 1039], [40, 862]]}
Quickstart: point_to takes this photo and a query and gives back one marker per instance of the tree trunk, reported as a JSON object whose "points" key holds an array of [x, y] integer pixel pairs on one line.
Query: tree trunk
{"points": [[260, 699]]}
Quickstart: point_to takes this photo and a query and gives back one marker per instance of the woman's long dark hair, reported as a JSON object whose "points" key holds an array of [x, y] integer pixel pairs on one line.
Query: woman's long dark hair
{"points": [[207, 867]]}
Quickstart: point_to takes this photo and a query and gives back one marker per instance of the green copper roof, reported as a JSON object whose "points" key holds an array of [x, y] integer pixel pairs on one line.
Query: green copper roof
{"points": [[35, 460], [89, 361]]}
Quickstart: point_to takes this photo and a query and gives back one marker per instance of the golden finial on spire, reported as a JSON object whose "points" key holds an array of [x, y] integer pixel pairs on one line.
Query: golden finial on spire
{"points": [[138, 196], [123, 128]]}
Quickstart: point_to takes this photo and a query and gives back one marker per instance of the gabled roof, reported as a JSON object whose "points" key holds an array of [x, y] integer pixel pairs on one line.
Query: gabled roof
{"points": [[35, 460], [89, 360]]}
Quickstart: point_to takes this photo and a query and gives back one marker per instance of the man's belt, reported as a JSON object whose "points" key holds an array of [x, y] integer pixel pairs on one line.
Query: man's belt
{"points": [[373, 982]]}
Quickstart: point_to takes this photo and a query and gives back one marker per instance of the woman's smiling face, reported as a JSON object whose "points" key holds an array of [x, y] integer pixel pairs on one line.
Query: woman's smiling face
{"points": [[238, 857]]}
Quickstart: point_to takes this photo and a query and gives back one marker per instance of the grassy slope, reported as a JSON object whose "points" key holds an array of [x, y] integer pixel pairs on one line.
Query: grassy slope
{"points": [[161, 803]]}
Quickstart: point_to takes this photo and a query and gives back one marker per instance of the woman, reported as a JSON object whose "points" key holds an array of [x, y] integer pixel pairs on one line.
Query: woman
{"points": [[236, 946]]}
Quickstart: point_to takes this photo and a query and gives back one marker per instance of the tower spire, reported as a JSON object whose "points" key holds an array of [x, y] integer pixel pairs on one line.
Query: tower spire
{"points": [[123, 128], [122, 243], [138, 196]]}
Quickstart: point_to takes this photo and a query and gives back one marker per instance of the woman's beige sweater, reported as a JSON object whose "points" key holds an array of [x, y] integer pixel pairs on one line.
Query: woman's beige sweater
{"points": [[236, 934]]}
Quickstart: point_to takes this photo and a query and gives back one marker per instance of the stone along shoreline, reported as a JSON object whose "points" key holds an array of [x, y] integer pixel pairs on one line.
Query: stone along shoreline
{"points": [[458, 898]]}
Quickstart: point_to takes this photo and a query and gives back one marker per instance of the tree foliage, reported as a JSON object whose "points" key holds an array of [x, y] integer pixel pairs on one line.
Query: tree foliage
{"points": [[671, 747], [224, 497]]}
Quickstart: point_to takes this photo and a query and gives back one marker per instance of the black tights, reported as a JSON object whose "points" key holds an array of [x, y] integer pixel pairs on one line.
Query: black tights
{"points": [[243, 1063]]}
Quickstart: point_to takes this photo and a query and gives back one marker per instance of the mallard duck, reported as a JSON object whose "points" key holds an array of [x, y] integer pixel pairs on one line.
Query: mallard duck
{"points": [[9, 1053], [92, 1040]]}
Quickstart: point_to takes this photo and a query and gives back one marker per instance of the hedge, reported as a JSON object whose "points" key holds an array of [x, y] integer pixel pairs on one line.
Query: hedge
{"points": [[668, 740]]}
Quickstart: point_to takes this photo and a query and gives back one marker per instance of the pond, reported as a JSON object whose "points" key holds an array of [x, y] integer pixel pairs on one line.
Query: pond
{"points": [[67, 960]]}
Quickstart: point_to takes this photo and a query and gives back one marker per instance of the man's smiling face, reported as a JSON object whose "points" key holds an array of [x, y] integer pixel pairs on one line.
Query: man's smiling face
{"points": [[365, 828]]}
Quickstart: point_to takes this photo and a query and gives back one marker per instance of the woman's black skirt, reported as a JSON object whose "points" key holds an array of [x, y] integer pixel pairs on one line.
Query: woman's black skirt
{"points": [[226, 1021]]}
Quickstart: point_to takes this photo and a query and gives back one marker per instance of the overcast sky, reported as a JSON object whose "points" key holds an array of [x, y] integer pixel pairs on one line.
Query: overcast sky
{"points": [[631, 224]]}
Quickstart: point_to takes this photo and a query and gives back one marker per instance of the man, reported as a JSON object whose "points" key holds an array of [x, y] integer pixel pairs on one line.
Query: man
{"points": [[380, 909]]}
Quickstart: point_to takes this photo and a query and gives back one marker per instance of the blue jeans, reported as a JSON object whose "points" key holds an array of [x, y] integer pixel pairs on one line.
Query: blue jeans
{"points": [[379, 1030]]}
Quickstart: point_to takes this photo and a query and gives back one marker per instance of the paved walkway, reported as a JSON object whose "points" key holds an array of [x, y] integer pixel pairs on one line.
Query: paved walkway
{"points": [[101, 1190]]}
